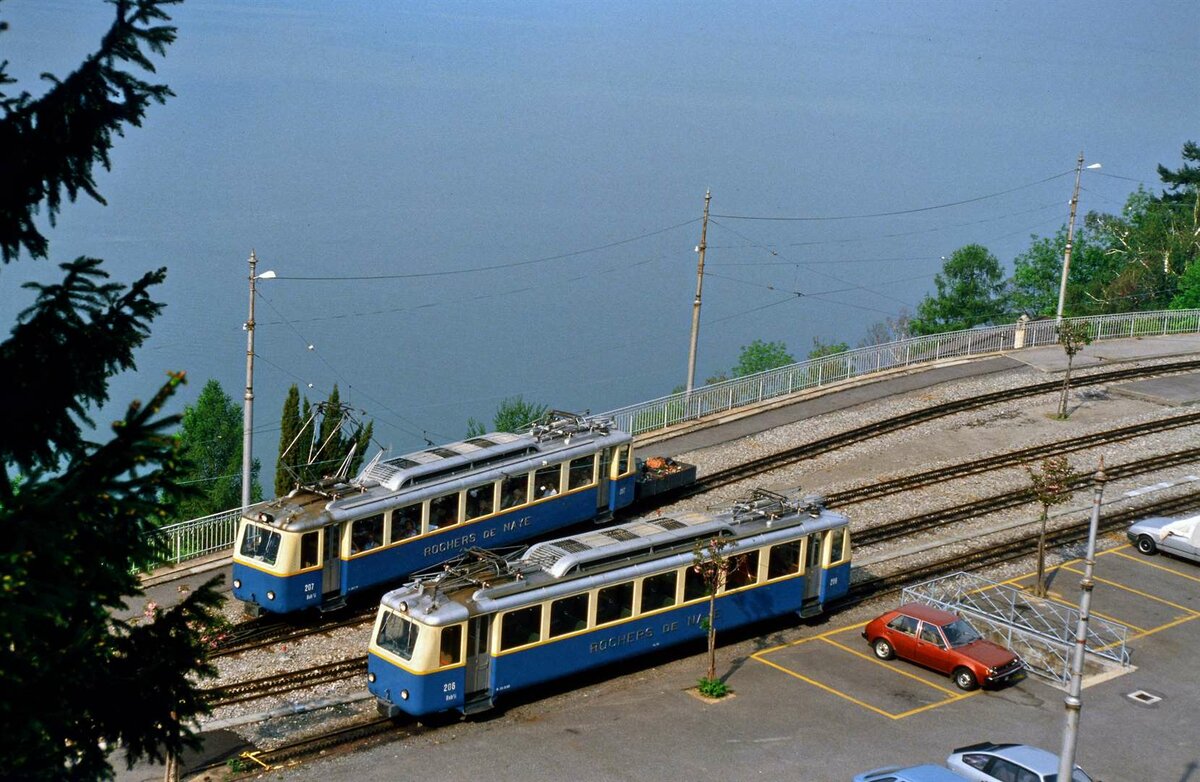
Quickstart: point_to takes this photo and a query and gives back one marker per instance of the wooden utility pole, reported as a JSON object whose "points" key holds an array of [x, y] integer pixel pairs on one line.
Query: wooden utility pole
{"points": [[691, 377]]}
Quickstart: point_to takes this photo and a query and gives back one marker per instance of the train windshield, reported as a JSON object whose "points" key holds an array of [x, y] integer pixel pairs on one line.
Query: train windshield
{"points": [[260, 543], [959, 633], [398, 635]]}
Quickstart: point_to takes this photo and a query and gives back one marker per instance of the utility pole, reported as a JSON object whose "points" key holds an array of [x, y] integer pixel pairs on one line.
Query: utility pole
{"points": [[1062, 287], [248, 415], [1066, 759], [691, 377]]}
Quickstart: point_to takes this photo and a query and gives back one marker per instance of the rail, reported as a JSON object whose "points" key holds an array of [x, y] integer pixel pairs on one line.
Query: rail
{"points": [[195, 538], [830, 370]]}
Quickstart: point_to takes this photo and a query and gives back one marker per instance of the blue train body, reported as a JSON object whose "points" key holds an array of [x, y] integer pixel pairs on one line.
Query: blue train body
{"points": [[489, 625], [405, 514]]}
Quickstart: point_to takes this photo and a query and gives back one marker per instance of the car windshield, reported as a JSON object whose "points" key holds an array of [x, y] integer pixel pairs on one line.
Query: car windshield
{"points": [[959, 633]]}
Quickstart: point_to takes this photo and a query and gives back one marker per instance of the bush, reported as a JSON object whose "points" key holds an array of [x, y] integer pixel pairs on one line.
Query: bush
{"points": [[712, 688]]}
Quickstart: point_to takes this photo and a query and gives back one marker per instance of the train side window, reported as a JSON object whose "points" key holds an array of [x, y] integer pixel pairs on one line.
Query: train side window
{"points": [[743, 571], [659, 591], [480, 500], [514, 490], [366, 534], [451, 647], [694, 587], [568, 615], [548, 481], [614, 602], [623, 461], [837, 546], [521, 627], [784, 560], [310, 549], [581, 472], [406, 522], [443, 511]]}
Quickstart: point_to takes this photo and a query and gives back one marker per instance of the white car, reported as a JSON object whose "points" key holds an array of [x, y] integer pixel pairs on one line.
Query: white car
{"points": [[988, 762], [1180, 537]]}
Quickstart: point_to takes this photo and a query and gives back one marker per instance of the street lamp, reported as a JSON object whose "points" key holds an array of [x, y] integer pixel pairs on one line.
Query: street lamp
{"points": [[248, 417], [1062, 288]]}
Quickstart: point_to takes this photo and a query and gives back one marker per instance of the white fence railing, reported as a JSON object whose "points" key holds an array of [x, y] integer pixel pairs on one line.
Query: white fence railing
{"points": [[862, 362], [190, 539]]}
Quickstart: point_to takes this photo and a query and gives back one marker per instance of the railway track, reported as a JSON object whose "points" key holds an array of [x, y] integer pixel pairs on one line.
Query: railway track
{"points": [[823, 445], [263, 632], [286, 682]]}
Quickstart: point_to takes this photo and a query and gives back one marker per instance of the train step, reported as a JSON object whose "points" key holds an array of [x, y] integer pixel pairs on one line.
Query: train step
{"points": [[477, 704], [332, 605]]}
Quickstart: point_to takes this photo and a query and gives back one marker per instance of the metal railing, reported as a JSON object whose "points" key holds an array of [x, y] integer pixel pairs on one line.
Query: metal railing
{"points": [[198, 537], [1041, 631], [830, 370]]}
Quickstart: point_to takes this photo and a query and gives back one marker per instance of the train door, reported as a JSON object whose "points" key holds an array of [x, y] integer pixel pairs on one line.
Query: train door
{"points": [[603, 480], [811, 603], [331, 572], [479, 662]]}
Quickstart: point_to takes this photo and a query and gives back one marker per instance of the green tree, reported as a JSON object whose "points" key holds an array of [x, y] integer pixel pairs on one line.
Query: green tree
{"points": [[211, 452], [1052, 485], [760, 356], [290, 428], [77, 681], [512, 415], [1188, 292], [1037, 275], [1072, 336], [970, 291], [711, 564], [326, 452]]}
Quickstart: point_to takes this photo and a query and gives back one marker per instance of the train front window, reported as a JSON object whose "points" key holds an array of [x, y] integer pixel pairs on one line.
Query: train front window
{"points": [[260, 543], [398, 635]]}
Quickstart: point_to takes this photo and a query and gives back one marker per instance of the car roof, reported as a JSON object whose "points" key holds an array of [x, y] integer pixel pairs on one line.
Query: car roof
{"points": [[1033, 758], [924, 773], [927, 613]]}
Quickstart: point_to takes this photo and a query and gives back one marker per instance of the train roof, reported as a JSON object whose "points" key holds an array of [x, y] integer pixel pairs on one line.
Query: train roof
{"points": [[489, 579], [386, 482]]}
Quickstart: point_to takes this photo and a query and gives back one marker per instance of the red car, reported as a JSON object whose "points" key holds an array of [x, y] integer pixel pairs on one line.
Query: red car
{"points": [[944, 642]]}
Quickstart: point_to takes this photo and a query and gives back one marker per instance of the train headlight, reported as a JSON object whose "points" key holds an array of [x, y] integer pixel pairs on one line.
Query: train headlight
{"points": [[404, 695], [371, 677], [404, 606], [237, 583], [270, 595]]}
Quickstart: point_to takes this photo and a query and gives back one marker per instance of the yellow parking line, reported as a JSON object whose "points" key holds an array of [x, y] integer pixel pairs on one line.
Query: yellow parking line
{"points": [[825, 634], [877, 661], [824, 687], [1145, 561], [1140, 593], [1167, 626]]}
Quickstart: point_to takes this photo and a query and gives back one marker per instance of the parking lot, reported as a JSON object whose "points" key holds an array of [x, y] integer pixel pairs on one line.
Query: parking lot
{"points": [[1146, 594]]}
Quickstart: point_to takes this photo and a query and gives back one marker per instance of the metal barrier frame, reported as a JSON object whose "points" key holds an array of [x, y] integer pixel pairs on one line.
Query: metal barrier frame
{"points": [[189, 539], [1041, 631]]}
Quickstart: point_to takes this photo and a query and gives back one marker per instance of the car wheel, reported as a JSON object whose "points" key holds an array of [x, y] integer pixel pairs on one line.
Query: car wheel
{"points": [[1146, 545], [883, 649], [964, 679]]}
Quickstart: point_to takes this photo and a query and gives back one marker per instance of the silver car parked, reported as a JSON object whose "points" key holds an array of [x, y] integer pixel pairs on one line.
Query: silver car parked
{"points": [[1180, 537], [988, 762]]}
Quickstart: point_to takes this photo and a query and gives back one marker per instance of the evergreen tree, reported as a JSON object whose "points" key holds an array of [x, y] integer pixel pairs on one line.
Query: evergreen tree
{"points": [[211, 440], [289, 442], [970, 291], [322, 454], [512, 415], [77, 681]]}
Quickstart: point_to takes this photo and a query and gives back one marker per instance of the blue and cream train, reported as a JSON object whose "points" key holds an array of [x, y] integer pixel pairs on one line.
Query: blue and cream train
{"points": [[405, 514], [488, 625]]}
